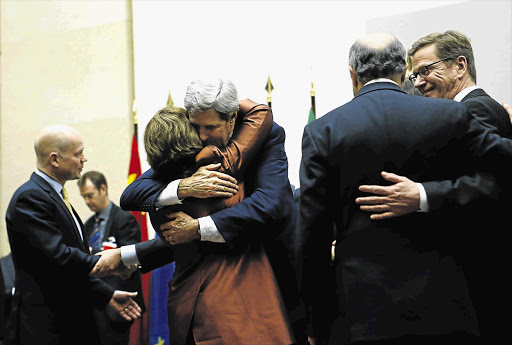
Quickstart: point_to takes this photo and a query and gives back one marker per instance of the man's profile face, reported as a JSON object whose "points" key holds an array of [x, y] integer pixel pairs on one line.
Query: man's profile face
{"points": [[96, 200], [441, 79], [211, 128], [71, 161]]}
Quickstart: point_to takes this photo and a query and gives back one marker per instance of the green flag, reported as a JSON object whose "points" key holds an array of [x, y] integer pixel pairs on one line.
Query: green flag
{"points": [[312, 110], [312, 116]]}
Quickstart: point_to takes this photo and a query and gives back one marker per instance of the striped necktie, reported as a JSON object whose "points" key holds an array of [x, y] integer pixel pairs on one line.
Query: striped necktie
{"points": [[66, 199], [95, 241]]}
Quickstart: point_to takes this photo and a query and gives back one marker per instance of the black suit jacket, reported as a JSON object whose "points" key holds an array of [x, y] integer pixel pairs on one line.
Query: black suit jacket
{"points": [[479, 203], [397, 276], [123, 226], [54, 296], [476, 187]]}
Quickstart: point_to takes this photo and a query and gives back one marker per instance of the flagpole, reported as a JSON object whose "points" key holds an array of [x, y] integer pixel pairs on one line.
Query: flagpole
{"points": [[135, 119], [312, 92], [312, 111], [139, 331]]}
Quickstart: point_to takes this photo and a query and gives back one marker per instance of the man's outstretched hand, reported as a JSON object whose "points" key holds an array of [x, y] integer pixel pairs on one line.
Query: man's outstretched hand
{"points": [[123, 303]]}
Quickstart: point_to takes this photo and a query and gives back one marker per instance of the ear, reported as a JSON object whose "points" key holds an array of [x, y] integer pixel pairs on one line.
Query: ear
{"points": [[233, 118], [54, 159], [103, 188], [353, 76], [462, 65]]}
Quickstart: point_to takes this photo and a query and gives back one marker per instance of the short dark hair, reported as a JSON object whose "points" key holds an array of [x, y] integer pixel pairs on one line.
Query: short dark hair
{"points": [[450, 43], [371, 63], [95, 177]]}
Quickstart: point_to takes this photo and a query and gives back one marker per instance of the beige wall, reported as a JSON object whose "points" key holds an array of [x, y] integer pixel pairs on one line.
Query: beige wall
{"points": [[65, 62]]}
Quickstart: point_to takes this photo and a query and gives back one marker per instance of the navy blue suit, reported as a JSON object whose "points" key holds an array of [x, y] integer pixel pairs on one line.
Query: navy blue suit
{"points": [[54, 296], [268, 213], [399, 276]]}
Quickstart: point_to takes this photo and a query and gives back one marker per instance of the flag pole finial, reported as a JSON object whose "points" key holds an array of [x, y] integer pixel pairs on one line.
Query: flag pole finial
{"points": [[312, 86], [269, 87], [312, 111], [134, 110], [170, 102]]}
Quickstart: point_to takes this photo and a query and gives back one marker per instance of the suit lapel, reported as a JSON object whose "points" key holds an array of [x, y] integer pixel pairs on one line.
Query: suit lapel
{"points": [[58, 200]]}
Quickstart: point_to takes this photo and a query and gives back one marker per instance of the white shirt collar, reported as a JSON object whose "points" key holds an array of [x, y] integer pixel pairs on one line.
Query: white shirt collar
{"points": [[380, 80], [458, 97], [55, 184]]}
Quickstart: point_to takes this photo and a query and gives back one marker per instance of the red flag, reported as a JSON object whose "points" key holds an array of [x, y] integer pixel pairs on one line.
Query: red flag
{"points": [[139, 334]]}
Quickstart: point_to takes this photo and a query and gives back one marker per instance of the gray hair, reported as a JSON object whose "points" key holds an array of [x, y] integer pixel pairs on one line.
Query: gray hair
{"points": [[220, 95], [371, 61]]}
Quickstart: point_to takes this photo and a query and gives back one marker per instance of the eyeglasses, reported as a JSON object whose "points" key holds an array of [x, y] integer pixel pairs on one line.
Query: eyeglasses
{"points": [[424, 71]]}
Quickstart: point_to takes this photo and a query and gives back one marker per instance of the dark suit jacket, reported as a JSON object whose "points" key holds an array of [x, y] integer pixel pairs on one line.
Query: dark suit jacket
{"points": [[465, 190], [397, 276], [54, 293], [123, 226], [480, 202]]}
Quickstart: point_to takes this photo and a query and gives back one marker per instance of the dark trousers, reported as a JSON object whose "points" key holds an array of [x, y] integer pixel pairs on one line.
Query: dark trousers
{"points": [[112, 332]]}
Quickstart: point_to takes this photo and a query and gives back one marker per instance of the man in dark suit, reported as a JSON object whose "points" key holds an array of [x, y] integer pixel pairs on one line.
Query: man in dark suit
{"points": [[110, 227], [397, 280], [55, 296], [444, 67], [267, 213]]}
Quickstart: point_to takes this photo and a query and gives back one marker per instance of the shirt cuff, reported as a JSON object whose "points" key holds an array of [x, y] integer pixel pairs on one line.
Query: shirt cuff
{"points": [[423, 199], [129, 255], [169, 196], [208, 230]]}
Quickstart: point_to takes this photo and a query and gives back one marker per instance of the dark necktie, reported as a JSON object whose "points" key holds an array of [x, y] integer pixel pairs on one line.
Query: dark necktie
{"points": [[95, 241]]}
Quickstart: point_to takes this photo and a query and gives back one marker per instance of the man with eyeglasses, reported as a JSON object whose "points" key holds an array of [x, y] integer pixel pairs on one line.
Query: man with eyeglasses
{"points": [[444, 67]]}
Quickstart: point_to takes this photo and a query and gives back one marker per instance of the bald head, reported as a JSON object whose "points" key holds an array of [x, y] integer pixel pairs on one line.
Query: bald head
{"points": [[59, 152], [55, 138], [376, 41], [377, 55]]}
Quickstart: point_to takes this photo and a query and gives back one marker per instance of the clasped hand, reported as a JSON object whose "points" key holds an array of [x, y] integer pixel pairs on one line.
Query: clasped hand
{"points": [[110, 264], [207, 182], [180, 229]]}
